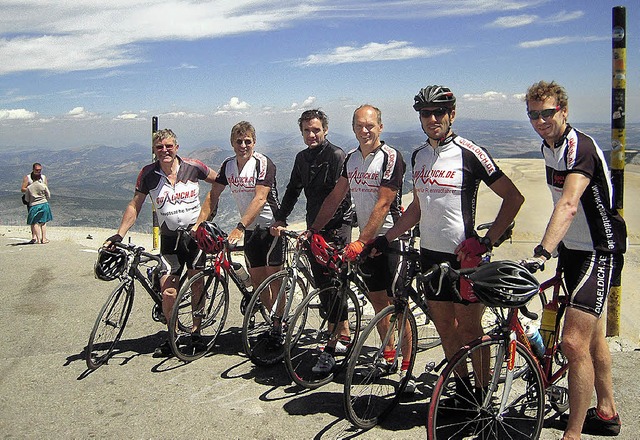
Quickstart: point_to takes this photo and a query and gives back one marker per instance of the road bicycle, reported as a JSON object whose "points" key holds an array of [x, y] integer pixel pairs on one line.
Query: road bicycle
{"points": [[114, 314], [507, 400], [263, 329], [374, 382], [202, 304]]}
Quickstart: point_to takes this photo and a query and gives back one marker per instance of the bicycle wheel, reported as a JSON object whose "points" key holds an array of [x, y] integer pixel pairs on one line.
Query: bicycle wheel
{"points": [[428, 336], [513, 406], [199, 315], [264, 343], [109, 325], [373, 385], [309, 332]]}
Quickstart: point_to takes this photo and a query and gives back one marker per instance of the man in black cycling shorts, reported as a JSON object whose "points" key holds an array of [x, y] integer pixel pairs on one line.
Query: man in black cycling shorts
{"points": [[316, 170], [590, 237], [447, 171], [172, 184]]}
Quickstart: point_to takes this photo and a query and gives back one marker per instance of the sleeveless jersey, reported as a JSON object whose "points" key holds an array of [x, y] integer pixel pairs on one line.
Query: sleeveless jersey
{"points": [[259, 170], [597, 225], [446, 181], [176, 206], [382, 167]]}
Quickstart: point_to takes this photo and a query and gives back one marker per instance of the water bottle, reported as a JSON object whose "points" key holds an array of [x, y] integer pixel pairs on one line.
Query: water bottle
{"points": [[242, 273], [537, 346], [548, 325], [154, 278]]}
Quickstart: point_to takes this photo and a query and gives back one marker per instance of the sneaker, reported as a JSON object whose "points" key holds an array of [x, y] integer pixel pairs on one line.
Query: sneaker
{"points": [[411, 383], [326, 363], [163, 350], [343, 345], [381, 367], [197, 342], [596, 425]]}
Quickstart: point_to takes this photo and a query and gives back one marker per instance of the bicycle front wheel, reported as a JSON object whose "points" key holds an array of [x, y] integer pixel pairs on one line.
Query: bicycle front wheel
{"points": [[198, 315], [505, 399], [323, 316], [373, 384], [109, 325], [262, 340]]}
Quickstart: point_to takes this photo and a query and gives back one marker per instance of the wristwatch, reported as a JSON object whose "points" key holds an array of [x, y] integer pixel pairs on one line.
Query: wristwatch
{"points": [[486, 241], [241, 226], [539, 251]]}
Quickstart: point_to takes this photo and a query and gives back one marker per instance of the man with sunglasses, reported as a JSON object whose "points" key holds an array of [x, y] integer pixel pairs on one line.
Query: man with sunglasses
{"points": [[590, 237], [447, 171], [172, 184]]}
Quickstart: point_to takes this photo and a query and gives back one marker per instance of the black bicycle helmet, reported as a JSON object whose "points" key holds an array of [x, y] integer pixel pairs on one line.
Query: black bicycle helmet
{"points": [[504, 284], [111, 263], [210, 238], [434, 95]]}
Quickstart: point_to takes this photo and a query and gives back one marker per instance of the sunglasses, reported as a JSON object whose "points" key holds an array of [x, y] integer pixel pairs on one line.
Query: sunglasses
{"points": [[437, 112], [546, 113], [244, 141], [161, 147]]}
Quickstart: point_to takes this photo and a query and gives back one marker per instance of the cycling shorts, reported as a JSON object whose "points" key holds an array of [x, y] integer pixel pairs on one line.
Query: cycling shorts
{"points": [[262, 249], [427, 259], [387, 271], [180, 250], [589, 276]]}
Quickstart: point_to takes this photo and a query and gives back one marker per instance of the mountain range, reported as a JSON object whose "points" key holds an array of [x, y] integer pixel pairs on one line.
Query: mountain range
{"points": [[91, 185]]}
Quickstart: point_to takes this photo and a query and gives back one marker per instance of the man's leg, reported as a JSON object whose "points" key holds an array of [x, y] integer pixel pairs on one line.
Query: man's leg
{"points": [[602, 369], [380, 300]]}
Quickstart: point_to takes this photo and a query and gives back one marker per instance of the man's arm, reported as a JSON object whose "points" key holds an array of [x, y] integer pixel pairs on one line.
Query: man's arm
{"points": [[209, 203], [211, 177], [331, 203], [25, 184], [386, 196], [252, 212], [512, 200], [129, 217], [291, 195], [407, 220]]}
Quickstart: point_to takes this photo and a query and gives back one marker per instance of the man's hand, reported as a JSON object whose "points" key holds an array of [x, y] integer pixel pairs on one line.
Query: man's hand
{"points": [[376, 246], [534, 264], [276, 228], [109, 242], [353, 249], [234, 237], [471, 248]]}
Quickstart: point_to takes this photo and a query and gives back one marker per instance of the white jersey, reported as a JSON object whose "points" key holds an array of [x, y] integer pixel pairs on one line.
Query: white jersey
{"points": [[382, 167], [446, 181], [259, 170]]}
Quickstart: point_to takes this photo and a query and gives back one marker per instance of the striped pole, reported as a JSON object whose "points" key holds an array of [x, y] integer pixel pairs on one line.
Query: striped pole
{"points": [[618, 141], [156, 226]]}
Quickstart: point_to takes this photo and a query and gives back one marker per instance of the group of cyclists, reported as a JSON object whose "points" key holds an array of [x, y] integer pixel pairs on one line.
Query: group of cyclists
{"points": [[585, 228]]}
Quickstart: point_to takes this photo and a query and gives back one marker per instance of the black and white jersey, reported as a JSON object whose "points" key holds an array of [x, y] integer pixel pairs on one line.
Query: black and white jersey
{"points": [[259, 170], [597, 225], [446, 181], [382, 167]]}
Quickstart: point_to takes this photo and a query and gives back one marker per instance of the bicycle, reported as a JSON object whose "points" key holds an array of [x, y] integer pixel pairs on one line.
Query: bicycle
{"points": [[263, 330], [508, 399], [374, 383], [114, 314], [202, 304]]}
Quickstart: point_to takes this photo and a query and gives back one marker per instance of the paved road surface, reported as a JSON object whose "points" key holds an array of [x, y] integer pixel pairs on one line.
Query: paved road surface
{"points": [[49, 302]]}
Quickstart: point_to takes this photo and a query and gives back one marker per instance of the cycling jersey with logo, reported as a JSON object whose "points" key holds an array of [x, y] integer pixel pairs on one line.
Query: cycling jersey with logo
{"points": [[597, 224], [446, 181], [259, 170], [382, 167], [176, 206]]}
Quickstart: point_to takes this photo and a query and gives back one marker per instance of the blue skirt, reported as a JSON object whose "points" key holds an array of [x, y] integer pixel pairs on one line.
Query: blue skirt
{"points": [[39, 214]]}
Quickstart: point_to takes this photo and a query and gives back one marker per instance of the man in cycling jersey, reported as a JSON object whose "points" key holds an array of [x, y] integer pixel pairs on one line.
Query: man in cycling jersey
{"points": [[590, 237], [251, 176], [373, 173], [447, 171], [172, 184], [316, 170]]}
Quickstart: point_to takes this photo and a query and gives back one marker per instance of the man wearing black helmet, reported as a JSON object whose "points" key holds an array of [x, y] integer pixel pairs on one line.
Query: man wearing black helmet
{"points": [[447, 171]]}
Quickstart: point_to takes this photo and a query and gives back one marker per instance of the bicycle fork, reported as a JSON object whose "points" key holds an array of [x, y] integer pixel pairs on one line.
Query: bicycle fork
{"points": [[507, 352]]}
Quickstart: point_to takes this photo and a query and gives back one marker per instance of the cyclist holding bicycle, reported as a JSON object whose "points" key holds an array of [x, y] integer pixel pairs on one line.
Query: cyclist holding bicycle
{"points": [[590, 236], [251, 176], [447, 171], [316, 170], [172, 184], [373, 173]]}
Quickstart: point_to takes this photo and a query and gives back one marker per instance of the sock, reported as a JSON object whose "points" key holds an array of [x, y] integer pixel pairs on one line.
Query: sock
{"points": [[405, 364], [389, 355]]}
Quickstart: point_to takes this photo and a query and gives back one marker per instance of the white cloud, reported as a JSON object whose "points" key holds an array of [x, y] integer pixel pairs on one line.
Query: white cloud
{"points": [[564, 16], [307, 103], [182, 115], [125, 116], [18, 113], [514, 21], [560, 40], [392, 50], [185, 66], [233, 106], [80, 113], [485, 97]]}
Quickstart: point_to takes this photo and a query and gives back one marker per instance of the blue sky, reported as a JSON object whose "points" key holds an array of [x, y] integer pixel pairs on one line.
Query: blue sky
{"points": [[94, 72]]}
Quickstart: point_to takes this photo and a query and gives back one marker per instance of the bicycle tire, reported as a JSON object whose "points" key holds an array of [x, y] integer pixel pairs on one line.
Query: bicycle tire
{"points": [[428, 336], [260, 344], [109, 325], [211, 309], [466, 413], [372, 387], [309, 333]]}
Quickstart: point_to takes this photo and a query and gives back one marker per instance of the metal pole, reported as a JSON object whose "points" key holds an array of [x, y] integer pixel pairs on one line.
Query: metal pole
{"points": [[618, 141], [156, 226]]}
